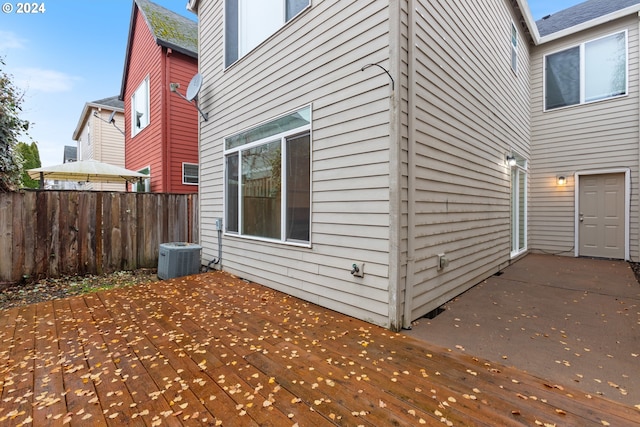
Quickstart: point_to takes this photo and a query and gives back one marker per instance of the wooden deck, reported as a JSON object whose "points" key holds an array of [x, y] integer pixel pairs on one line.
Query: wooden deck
{"points": [[214, 350]]}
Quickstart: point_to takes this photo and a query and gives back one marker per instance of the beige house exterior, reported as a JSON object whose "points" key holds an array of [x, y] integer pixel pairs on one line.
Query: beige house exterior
{"points": [[412, 125], [101, 140], [594, 144]]}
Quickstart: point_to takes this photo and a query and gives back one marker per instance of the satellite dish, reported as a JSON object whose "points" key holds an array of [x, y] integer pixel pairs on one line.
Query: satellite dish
{"points": [[194, 87], [111, 116], [192, 92]]}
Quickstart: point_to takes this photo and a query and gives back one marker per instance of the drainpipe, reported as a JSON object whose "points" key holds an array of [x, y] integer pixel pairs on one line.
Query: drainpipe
{"points": [[395, 170], [166, 117], [411, 198], [409, 279]]}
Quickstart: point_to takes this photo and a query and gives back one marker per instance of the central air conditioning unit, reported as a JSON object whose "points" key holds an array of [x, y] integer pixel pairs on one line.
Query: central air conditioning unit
{"points": [[178, 259]]}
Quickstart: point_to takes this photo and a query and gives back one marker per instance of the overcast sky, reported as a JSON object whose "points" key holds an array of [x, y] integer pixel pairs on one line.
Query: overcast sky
{"points": [[72, 52]]}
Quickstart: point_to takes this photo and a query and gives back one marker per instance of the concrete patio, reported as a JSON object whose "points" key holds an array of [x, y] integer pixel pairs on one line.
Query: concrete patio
{"points": [[575, 321]]}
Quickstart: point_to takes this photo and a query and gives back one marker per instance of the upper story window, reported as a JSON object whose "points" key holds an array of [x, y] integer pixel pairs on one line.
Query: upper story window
{"points": [[140, 107], [249, 22], [591, 71], [514, 48]]}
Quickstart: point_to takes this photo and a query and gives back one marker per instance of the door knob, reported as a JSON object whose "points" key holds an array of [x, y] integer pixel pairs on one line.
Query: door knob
{"points": [[581, 217]]}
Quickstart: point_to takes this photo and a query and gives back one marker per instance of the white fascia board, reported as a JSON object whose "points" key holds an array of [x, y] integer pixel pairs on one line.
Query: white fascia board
{"points": [[531, 23]]}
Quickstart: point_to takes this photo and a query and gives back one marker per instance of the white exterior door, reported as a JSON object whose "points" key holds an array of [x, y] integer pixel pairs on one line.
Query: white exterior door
{"points": [[601, 216]]}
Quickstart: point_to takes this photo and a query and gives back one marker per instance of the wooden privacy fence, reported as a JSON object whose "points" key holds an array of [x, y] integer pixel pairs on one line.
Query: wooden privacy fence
{"points": [[58, 233]]}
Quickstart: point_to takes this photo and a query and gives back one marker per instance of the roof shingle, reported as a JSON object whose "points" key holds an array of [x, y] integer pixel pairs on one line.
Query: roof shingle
{"points": [[169, 28], [111, 101], [579, 14]]}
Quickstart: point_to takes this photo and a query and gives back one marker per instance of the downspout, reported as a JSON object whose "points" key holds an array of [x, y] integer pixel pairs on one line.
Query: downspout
{"points": [[164, 137], [395, 170], [411, 106]]}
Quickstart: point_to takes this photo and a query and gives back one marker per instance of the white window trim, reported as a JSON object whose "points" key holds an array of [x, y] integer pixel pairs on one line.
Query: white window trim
{"points": [[134, 129], [183, 174], [627, 206], [282, 136], [147, 181], [582, 82]]}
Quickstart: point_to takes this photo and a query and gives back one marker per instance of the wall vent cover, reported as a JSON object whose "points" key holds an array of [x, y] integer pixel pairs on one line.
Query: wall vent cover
{"points": [[178, 259]]}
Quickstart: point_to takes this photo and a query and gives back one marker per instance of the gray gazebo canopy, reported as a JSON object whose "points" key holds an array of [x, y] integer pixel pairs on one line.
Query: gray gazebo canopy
{"points": [[86, 170]]}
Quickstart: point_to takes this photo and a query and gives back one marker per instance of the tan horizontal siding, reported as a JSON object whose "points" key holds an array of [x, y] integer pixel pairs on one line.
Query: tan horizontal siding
{"points": [[314, 59], [271, 265], [471, 109]]}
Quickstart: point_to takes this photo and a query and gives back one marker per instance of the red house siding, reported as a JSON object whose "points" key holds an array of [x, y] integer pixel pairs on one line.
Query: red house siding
{"points": [[171, 137], [182, 119]]}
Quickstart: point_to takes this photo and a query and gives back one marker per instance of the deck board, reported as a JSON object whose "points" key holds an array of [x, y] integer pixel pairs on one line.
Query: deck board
{"points": [[212, 349]]}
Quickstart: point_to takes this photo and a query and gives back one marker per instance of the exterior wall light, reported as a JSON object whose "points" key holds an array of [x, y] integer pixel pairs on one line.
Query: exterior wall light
{"points": [[561, 180], [511, 160]]}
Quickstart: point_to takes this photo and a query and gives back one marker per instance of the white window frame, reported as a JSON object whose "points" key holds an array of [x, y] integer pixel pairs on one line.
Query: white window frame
{"points": [[184, 175], [582, 72], [146, 181], [143, 88], [521, 167], [238, 149], [238, 28], [514, 47]]}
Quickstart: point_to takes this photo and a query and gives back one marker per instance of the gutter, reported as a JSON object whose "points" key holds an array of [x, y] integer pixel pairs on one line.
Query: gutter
{"points": [[528, 20], [411, 182], [395, 169], [192, 6]]}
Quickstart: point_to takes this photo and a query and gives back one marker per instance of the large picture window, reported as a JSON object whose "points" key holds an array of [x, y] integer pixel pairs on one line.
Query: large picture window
{"points": [[140, 107], [268, 180], [250, 22], [589, 72]]}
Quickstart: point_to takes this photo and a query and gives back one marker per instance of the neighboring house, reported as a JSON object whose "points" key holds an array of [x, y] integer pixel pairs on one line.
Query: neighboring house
{"points": [[161, 129], [379, 195], [585, 127], [70, 154], [100, 139]]}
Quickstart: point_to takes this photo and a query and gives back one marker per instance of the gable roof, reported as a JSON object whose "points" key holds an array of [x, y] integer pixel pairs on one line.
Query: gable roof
{"points": [[111, 103], [580, 14], [168, 29]]}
